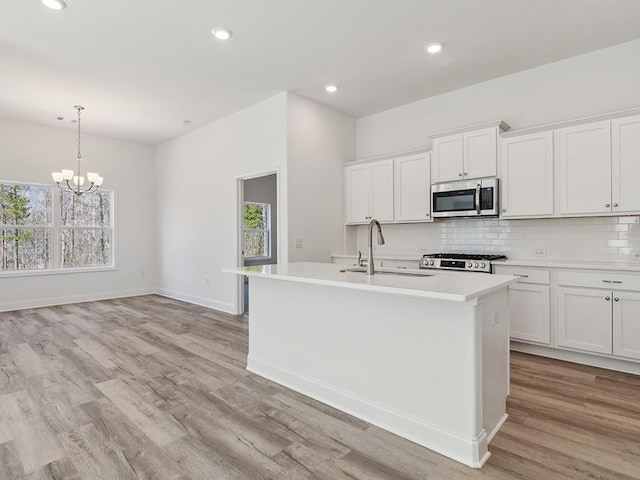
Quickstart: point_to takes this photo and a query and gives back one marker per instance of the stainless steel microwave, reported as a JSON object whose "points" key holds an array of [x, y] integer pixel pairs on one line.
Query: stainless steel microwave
{"points": [[465, 198]]}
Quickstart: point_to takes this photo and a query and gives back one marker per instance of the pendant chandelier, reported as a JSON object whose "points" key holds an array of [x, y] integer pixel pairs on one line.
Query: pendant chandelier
{"points": [[66, 176]]}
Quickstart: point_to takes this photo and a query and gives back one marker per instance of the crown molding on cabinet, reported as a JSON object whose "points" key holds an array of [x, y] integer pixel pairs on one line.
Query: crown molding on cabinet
{"points": [[388, 156], [503, 127], [572, 123]]}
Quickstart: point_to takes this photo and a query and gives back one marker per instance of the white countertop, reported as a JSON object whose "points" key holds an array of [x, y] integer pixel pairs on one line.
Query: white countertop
{"points": [[440, 285], [549, 263]]}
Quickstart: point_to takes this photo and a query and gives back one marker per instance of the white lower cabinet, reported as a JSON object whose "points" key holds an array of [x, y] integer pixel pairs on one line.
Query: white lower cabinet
{"points": [[597, 319], [626, 324], [529, 307], [529, 313], [584, 319]]}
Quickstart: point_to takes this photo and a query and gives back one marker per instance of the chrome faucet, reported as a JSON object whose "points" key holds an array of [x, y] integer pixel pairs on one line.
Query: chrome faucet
{"points": [[370, 268]]}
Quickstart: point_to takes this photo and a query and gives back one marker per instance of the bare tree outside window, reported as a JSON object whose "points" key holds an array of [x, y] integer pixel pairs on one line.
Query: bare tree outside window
{"points": [[25, 226], [256, 231], [85, 233]]}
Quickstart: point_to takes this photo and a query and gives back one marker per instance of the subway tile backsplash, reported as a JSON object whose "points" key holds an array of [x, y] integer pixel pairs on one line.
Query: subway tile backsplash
{"points": [[593, 239]]}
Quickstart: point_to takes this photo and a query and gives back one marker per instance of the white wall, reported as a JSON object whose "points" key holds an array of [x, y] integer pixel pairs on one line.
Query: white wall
{"points": [[197, 203], [265, 190], [599, 82], [29, 153], [320, 140]]}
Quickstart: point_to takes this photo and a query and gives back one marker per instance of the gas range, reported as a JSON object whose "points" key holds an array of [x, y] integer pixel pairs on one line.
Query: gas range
{"points": [[460, 261]]}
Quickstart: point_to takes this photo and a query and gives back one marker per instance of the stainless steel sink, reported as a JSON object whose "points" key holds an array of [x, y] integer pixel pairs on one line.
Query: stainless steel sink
{"points": [[387, 272]]}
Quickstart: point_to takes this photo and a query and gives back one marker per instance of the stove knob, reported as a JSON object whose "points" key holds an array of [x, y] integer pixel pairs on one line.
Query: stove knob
{"points": [[475, 265], [469, 265], [482, 265]]}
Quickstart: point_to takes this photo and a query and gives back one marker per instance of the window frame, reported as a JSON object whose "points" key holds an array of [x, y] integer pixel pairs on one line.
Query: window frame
{"points": [[55, 241], [266, 231]]}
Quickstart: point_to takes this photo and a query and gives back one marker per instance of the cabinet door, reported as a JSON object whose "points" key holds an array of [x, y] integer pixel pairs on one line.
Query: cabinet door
{"points": [[357, 193], [584, 156], [412, 178], [526, 172], [626, 164], [529, 313], [480, 153], [382, 191], [626, 324], [584, 319], [447, 158]]}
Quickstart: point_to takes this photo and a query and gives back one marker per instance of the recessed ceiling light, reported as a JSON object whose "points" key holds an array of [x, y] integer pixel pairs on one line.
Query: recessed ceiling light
{"points": [[55, 4], [221, 33], [434, 47], [332, 88]]}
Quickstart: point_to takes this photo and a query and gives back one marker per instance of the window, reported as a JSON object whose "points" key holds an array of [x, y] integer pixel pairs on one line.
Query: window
{"points": [[256, 231], [40, 230], [25, 226]]}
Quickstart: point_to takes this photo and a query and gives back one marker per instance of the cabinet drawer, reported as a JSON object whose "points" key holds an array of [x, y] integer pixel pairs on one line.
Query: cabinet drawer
{"points": [[529, 275], [609, 280]]}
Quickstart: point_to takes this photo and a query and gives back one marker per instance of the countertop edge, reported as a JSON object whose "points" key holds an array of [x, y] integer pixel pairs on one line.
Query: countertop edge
{"points": [[406, 292]]}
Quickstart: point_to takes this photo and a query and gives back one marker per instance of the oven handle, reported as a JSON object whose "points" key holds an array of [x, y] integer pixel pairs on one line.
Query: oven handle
{"points": [[478, 187]]}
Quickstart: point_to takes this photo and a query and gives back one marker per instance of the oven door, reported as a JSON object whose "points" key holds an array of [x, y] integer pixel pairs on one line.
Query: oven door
{"points": [[468, 198]]}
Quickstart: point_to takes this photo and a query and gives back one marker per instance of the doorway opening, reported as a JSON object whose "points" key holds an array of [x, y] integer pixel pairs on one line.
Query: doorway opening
{"points": [[258, 225]]}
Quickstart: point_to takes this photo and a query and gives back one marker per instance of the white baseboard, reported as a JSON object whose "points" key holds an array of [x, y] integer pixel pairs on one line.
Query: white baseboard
{"points": [[631, 366], [497, 427], [470, 451], [203, 302], [88, 297]]}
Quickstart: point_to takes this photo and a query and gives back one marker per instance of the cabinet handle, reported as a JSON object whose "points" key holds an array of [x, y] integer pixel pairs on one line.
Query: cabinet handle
{"points": [[616, 299], [612, 281], [520, 275], [459, 174], [607, 298], [615, 204], [427, 214], [504, 210], [607, 205]]}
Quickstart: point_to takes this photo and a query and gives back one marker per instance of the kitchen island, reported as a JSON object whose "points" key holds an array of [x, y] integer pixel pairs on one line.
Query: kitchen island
{"points": [[425, 356]]}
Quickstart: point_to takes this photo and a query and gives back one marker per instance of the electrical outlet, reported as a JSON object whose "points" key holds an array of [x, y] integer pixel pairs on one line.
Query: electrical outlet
{"points": [[539, 252], [424, 249], [635, 255], [207, 280], [297, 242], [142, 272], [494, 319]]}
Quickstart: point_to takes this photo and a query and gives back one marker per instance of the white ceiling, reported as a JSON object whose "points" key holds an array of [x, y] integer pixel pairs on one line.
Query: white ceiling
{"points": [[140, 67]]}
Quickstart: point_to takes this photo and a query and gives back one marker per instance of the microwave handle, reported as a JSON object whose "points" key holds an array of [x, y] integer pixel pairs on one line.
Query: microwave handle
{"points": [[478, 187]]}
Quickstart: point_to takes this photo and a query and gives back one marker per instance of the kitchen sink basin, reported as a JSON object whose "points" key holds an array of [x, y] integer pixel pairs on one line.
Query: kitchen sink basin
{"points": [[402, 273]]}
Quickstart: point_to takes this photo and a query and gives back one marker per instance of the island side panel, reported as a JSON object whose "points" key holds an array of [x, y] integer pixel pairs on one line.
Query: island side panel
{"points": [[409, 365], [493, 314]]}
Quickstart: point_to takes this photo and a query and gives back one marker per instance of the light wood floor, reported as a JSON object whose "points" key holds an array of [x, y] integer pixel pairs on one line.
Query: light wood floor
{"points": [[153, 388]]}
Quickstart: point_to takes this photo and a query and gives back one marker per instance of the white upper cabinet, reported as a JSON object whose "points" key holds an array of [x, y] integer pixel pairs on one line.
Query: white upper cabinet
{"points": [[447, 158], [382, 191], [526, 175], [468, 154], [480, 153], [369, 192], [625, 133], [412, 188], [584, 161]]}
